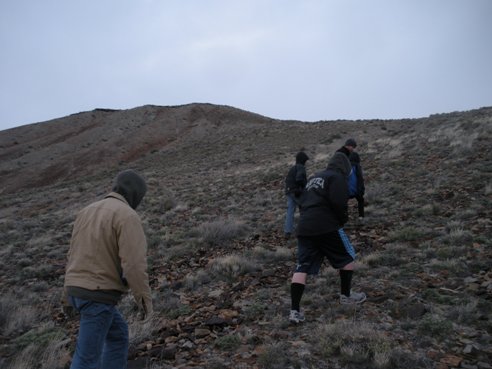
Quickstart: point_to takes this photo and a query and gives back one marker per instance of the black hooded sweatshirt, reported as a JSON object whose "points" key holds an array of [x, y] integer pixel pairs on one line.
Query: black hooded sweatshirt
{"points": [[323, 204], [296, 178], [131, 186]]}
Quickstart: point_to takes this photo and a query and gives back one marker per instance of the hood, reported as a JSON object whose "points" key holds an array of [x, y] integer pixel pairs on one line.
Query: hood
{"points": [[340, 163], [301, 158], [131, 186], [354, 158]]}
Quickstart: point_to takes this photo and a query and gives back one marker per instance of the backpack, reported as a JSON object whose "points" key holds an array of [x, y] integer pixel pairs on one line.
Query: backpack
{"points": [[352, 182]]}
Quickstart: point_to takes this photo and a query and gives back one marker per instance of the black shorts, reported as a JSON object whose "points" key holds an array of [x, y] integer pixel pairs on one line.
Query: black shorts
{"points": [[311, 251]]}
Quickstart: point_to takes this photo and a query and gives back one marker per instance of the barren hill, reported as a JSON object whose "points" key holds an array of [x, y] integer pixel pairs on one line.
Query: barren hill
{"points": [[81, 144], [219, 264]]}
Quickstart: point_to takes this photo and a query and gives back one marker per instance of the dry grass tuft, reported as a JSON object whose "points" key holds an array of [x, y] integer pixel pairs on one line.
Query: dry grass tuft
{"points": [[265, 255], [231, 266], [222, 230], [44, 348], [353, 342], [17, 315], [140, 331], [275, 356]]}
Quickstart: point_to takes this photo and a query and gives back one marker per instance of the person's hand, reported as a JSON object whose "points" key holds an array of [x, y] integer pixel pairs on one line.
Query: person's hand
{"points": [[69, 311], [144, 317]]}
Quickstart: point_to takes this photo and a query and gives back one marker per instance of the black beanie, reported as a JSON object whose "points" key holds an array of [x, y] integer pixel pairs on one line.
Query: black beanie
{"points": [[350, 142], [131, 186], [301, 157]]}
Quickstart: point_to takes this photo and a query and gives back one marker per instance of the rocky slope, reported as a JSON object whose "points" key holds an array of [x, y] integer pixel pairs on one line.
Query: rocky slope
{"points": [[219, 264]]}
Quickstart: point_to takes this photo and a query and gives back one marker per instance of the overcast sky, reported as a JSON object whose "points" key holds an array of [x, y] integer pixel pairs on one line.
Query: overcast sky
{"points": [[307, 59]]}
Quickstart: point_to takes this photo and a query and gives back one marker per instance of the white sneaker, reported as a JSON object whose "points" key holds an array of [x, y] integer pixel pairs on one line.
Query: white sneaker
{"points": [[354, 298], [296, 317]]}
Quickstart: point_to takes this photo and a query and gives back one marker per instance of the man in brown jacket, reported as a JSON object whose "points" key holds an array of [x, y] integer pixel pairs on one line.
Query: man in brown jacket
{"points": [[107, 257]]}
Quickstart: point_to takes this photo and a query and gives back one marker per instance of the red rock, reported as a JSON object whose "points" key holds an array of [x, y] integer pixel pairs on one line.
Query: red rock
{"points": [[451, 360]]}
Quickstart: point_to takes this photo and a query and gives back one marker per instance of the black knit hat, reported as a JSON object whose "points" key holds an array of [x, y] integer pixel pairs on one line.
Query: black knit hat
{"points": [[351, 142]]}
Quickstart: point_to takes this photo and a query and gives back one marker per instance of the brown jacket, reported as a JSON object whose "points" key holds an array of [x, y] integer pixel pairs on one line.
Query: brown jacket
{"points": [[108, 247]]}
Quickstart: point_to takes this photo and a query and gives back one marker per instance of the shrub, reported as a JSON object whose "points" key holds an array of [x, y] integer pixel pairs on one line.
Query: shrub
{"points": [[220, 231], [459, 236], [434, 326], [450, 252], [457, 266], [192, 281], [280, 253], [464, 313], [386, 258], [140, 331], [400, 359], [41, 336], [231, 266], [275, 356], [228, 343], [406, 234], [354, 342], [373, 194], [44, 348], [17, 315], [176, 312], [255, 311], [167, 201], [428, 209]]}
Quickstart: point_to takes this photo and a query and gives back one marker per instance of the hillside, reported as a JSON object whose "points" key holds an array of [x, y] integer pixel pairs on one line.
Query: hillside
{"points": [[220, 268]]}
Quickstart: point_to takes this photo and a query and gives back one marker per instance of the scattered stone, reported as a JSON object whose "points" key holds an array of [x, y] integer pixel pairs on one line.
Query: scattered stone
{"points": [[474, 287], [228, 314], [217, 321], [409, 308], [202, 332], [164, 353], [140, 363], [483, 365], [468, 366], [451, 360], [215, 293], [468, 349]]}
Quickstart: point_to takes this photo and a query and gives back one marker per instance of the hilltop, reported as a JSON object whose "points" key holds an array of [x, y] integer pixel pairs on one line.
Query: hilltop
{"points": [[219, 264]]}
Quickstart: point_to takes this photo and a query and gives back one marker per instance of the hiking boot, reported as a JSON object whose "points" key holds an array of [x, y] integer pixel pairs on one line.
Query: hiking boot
{"points": [[354, 298], [296, 317]]}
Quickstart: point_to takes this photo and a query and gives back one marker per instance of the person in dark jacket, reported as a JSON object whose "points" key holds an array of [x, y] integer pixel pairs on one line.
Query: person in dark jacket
{"points": [[349, 146], [320, 233], [356, 183], [294, 185]]}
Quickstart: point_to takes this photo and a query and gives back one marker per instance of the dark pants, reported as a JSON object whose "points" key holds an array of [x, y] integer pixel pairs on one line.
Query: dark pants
{"points": [[360, 204]]}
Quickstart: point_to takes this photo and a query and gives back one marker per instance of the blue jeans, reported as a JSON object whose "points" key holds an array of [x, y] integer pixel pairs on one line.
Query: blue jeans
{"points": [[103, 336], [289, 217]]}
